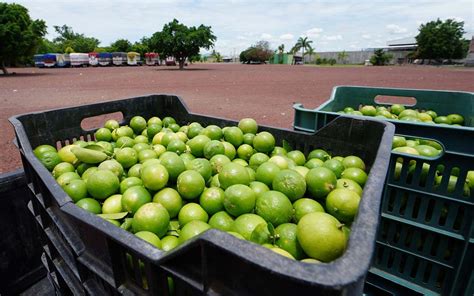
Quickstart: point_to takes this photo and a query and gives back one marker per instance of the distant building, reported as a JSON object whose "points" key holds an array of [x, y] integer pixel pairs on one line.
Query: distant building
{"points": [[404, 44], [402, 49]]}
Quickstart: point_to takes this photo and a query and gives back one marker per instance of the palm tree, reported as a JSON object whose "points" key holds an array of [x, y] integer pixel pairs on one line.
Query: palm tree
{"points": [[281, 50], [311, 52], [342, 56], [302, 43]]}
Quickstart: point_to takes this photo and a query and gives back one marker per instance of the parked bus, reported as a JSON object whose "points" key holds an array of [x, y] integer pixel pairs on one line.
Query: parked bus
{"points": [[63, 60], [133, 58], [119, 58], [152, 59], [93, 59], [105, 59], [39, 60], [79, 59], [49, 60]]}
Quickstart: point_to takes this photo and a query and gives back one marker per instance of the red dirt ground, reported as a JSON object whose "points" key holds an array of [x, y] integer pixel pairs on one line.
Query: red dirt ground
{"points": [[264, 92]]}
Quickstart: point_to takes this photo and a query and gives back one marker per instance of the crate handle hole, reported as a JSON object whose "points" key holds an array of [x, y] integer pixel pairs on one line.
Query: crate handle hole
{"points": [[389, 100], [95, 122]]}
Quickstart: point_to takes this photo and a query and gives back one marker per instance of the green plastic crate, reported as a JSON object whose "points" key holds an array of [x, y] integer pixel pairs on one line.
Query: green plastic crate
{"points": [[425, 242]]}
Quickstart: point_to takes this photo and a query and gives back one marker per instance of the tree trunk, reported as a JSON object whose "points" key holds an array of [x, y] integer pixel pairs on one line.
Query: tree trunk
{"points": [[181, 64], [4, 69], [303, 57]]}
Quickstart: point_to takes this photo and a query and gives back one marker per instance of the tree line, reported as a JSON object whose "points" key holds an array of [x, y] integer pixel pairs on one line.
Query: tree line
{"points": [[21, 37]]}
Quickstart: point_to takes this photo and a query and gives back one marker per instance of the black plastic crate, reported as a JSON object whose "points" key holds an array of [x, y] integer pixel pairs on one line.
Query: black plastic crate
{"points": [[215, 262], [20, 247]]}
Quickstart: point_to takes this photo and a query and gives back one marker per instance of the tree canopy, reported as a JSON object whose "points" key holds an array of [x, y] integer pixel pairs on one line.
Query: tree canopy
{"points": [[121, 45], [68, 38], [258, 53], [441, 40], [179, 41], [303, 43], [19, 34]]}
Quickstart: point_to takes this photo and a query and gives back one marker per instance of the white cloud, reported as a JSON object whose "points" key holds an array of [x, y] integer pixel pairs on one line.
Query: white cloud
{"points": [[395, 29], [353, 46], [266, 36], [287, 36], [314, 32], [366, 36], [332, 37]]}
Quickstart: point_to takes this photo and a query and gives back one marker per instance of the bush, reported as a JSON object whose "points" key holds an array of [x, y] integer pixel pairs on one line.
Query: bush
{"points": [[380, 58], [332, 62]]}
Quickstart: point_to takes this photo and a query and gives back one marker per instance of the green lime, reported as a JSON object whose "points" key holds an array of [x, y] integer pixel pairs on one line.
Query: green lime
{"points": [[319, 154], [258, 187], [258, 159], [278, 151], [321, 236], [287, 240], [221, 220], [192, 229], [213, 132], [202, 166], [290, 183], [169, 242], [89, 204], [111, 124], [190, 184], [356, 175], [39, 150], [245, 151], [274, 207], [248, 138], [264, 142], [76, 189], [61, 168], [212, 200], [239, 199], [248, 125], [305, 206], [154, 176], [197, 145], [350, 185], [177, 146], [229, 150], [135, 197], [102, 184], [212, 148], [314, 163], [151, 217], [335, 166], [173, 164], [320, 181], [135, 170], [234, 135], [127, 157], [113, 166], [297, 156], [138, 124], [150, 237], [146, 154], [192, 211], [266, 172], [217, 162], [170, 199], [49, 159], [113, 204], [353, 162], [343, 204], [246, 223], [233, 173]]}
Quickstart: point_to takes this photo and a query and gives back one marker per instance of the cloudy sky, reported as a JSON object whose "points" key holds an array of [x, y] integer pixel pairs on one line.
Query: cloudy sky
{"points": [[332, 25]]}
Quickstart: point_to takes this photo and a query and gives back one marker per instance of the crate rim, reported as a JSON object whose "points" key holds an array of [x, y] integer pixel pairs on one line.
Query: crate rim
{"points": [[320, 274]]}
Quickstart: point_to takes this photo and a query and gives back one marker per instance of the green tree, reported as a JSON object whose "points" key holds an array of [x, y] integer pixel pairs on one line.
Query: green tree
{"points": [[302, 44], [68, 38], [259, 53], [69, 50], [342, 56], [217, 56], [20, 36], [121, 45], [310, 53], [380, 58], [441, 40], [46, 46], [179, 41], [141, 46]]}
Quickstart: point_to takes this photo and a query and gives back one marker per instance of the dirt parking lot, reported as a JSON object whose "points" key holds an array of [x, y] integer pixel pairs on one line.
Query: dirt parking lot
{"points": [[264, 92]]}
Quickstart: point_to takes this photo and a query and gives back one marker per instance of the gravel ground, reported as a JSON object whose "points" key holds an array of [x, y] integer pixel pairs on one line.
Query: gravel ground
{"points": [[264, 92]]}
